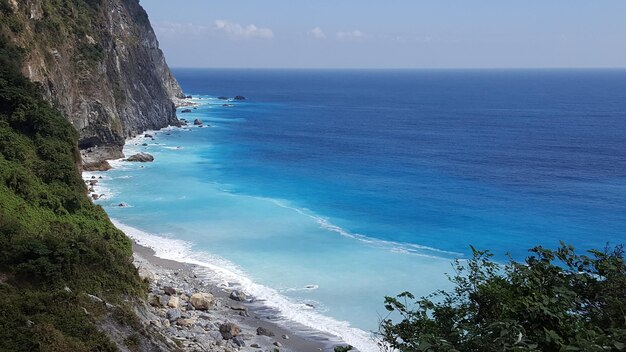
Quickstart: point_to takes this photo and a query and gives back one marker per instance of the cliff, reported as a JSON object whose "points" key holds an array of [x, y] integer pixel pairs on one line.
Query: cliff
{"points": [[99, 63]]}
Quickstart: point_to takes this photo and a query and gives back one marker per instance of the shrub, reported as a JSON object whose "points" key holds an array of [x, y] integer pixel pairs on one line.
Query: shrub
{"points": [[51, 235], [553, 301]]}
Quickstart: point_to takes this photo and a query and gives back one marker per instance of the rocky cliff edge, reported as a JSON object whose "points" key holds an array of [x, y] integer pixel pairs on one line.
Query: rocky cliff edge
{"points": [[99, 62]]}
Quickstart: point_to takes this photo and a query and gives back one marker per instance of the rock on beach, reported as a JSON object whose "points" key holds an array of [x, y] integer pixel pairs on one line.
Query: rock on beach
{"points": [[229, 330], [141, 157], [202, 301]]}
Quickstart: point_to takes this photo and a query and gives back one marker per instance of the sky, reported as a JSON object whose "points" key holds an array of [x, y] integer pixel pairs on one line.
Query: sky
{"points": [[391, 34]]}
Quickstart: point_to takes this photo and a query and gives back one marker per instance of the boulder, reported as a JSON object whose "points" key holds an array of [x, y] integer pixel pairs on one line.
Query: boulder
{"points": [[169, 290], [239, 308], [278, 344], [147, 135], [229, 330], [239, 342], [240, 97], [238, 296], [154, 301], [186, 323], [173, 314], [197, 122], [95, 196], [101, 165], [173, 302], [222, 98], [189, 97], [261, 331], [145, 274], [141, 158], [185, 111], [202, 301]]}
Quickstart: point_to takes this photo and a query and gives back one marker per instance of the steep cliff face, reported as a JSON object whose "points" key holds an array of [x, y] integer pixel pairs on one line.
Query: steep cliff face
{"points": [[99, 62]]}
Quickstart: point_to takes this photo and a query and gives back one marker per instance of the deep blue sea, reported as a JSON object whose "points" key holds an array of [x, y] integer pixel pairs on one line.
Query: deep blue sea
{"points": [[326, 190]]}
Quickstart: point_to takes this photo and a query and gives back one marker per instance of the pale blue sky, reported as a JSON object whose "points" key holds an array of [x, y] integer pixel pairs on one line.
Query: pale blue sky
{"points": [[391, 34]]}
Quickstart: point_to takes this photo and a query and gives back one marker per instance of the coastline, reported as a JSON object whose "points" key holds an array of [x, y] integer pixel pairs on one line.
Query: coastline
{"points": [[201, 330], [249, 316]]}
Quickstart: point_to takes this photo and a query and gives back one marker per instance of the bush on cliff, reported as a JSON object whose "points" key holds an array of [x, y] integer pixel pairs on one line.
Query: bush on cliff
{"points": [[51, 235], [554, 301]]}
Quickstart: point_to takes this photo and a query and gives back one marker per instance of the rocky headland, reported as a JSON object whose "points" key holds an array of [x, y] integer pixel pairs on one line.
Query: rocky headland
{"points": [[99, 63]]}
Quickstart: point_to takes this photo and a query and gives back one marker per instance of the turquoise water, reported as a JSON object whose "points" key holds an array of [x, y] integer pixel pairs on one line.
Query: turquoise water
{"points": [[327, 190]]}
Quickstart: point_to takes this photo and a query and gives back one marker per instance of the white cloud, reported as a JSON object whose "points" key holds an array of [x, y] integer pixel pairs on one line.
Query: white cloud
{"points": [[317, 33], [179, 29], [238, 31], [351, 35]]}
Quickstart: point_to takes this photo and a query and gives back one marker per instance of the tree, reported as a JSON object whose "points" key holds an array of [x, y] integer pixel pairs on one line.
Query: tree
{"points": [[553, 301]]}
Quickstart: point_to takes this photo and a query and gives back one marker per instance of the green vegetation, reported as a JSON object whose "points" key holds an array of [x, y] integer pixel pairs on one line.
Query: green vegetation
{"points": [[51, 235], [73, 16], [554, 301], [90, 54]]}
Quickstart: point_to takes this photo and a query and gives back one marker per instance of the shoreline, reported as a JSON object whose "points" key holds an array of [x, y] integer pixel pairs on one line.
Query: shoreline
{"points": [[248, 315]]}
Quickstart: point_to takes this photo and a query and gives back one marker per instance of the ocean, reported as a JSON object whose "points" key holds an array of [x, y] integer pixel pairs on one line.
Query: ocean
{"points": [[326, 190]]}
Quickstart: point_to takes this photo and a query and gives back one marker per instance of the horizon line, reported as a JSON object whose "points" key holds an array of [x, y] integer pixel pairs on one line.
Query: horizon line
{"points": [[401, 68]]}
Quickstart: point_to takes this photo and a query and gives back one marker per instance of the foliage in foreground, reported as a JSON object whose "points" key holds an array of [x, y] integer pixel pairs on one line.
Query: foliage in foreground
{"points": [[51, 235], [553, 301]]}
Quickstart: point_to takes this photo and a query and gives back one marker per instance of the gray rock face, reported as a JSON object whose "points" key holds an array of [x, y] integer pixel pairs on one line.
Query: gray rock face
{"points": [[141, 158], [110, 81]]}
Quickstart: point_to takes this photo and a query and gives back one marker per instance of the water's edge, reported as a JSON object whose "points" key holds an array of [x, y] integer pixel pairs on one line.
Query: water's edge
{"points": [[302, 320]]}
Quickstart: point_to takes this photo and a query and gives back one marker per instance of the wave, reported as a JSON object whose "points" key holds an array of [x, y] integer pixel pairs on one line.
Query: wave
{"points": [[224, 273], [396, 247]]}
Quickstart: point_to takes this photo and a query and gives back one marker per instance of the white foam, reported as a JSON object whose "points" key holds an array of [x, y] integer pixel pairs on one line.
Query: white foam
{"points": [[396, 247], [310, 287], [226, 273], [100, 187]]}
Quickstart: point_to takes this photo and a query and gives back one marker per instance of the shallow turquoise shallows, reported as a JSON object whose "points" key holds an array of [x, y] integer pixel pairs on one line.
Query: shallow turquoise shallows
{"points": [[324, 191]]}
